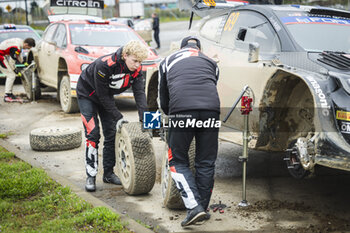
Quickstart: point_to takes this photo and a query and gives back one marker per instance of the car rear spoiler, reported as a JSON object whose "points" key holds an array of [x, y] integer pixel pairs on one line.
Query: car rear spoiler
{"points": [[207, 7]]}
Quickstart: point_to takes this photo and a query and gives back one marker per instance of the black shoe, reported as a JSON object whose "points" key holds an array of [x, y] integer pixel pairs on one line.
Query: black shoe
{"points": [[193, 216], [90, 185], [112, 179], [207, 216]]}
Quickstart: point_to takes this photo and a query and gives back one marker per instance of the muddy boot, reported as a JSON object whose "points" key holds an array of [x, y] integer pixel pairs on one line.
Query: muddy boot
{"points": [[194, 215], [90, 185], [112, 179]]}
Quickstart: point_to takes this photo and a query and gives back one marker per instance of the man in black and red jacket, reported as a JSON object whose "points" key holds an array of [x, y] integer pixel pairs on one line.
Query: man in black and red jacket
{"points": [[188, 94], [98, 83]]}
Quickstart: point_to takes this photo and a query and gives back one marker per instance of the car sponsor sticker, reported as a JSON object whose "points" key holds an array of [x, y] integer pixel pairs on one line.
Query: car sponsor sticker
{"points": [[78, 3], [14, 30], [231, 21], [345, 127], [314, 20], [342, 115], [209, 2]]}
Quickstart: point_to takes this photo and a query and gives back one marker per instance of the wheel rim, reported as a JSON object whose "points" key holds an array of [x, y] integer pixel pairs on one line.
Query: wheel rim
{"points": [[293, 163], [165, 174], [64, 94], [124, 163]]}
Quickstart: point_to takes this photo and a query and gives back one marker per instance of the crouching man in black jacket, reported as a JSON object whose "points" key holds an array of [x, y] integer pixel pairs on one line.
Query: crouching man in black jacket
{"points": [[188, 94], [98, 83]]}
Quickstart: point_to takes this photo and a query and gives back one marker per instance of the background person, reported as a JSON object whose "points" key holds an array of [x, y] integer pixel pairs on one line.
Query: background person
{"points": [[10, 52], [155, 27], [98, 83], [187, 89]]}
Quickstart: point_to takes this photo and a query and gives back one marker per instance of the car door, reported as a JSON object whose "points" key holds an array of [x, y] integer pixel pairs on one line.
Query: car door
{"points": [[45, 63], [59, 43], [241, 29]]}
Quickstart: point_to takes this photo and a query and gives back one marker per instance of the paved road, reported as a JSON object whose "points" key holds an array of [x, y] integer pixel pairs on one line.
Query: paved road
{"points": [[279, 202]]}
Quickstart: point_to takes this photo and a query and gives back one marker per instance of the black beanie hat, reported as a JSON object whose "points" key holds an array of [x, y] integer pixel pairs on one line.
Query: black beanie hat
{"points": [[185, 40]]}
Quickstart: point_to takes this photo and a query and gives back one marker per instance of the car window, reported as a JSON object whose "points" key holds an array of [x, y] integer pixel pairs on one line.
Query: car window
{"points": [[101, 35], [49, 32], [18, 32], [60, 36], [244, 27], [211, 29]]}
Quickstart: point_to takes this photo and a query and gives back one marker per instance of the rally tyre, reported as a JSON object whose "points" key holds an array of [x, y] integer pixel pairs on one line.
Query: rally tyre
{"points": [[55, 138], [135, 159], [27, 78], [69, 104], [171, 195]]}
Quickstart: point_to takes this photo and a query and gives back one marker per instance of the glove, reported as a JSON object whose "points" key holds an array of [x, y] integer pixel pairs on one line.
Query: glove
{"points": [[3, 64], [119, 124], [25, 64], [17, 72], [148, 131]]}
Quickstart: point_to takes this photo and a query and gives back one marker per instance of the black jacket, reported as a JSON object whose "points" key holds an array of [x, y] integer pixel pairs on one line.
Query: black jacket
{"points": [[107, 76], [187, 81], [155, 24]]}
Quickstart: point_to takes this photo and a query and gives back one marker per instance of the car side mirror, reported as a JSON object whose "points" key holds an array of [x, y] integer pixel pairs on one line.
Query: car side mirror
{"points": [[253, 55], [241, 34]]}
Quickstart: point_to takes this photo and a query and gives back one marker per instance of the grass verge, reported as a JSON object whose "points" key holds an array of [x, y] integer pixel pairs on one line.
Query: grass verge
{"points": [[30, 201]]}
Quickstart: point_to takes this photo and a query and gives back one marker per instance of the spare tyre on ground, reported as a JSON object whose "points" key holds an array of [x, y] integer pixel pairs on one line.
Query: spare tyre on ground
{"points": [[55, 138], [135, 159]]}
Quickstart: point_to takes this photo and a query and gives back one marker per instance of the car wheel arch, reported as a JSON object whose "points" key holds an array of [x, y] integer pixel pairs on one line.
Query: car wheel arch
{"points": [[286, 111], [152, 90]]}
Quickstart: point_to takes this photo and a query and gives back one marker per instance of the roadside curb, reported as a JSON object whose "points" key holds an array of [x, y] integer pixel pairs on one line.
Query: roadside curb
{"points": [[132, 225]]}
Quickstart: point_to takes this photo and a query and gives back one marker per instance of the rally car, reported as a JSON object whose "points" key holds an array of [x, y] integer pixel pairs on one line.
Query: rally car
{"points": [[296, 59], [69, 46], [9, 31]]}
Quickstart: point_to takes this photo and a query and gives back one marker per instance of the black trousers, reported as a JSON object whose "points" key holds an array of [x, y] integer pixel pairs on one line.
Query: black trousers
{"points": [[156, 37], [89, 114], [195, 189]]}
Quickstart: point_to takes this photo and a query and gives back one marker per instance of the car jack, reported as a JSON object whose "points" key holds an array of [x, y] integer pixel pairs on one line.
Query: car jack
{"points": [[246, 102]]}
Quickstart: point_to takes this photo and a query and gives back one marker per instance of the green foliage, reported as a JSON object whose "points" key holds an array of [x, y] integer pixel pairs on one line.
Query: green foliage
{"points": [[6, 156], [31, 202]]}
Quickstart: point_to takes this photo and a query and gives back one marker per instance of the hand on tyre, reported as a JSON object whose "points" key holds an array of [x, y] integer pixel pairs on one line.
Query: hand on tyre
{"points": [[119, 124]]}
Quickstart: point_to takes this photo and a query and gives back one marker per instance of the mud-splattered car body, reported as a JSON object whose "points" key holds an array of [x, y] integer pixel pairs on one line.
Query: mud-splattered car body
{"points": [[296, 60]]}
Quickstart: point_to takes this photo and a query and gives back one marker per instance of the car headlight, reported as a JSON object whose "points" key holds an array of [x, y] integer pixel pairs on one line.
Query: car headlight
{"points": [[83, 66], [86, 58]]}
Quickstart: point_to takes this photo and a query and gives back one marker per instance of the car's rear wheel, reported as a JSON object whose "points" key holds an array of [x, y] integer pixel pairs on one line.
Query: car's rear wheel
{"points": [[69, 104]]}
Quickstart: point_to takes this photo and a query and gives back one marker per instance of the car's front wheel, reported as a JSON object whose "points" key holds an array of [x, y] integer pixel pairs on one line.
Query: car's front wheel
{"points": [[69, 104]]}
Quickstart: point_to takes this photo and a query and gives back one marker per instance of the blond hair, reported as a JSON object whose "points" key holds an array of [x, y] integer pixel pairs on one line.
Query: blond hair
{"points": [[137, 49]]}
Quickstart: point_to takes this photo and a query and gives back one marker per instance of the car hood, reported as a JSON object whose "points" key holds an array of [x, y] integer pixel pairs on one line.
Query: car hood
{"points": [[98, 51]]}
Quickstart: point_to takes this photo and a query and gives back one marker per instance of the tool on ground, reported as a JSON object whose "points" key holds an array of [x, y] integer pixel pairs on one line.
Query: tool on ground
{"points": [[218, 207], [246, 108]]}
